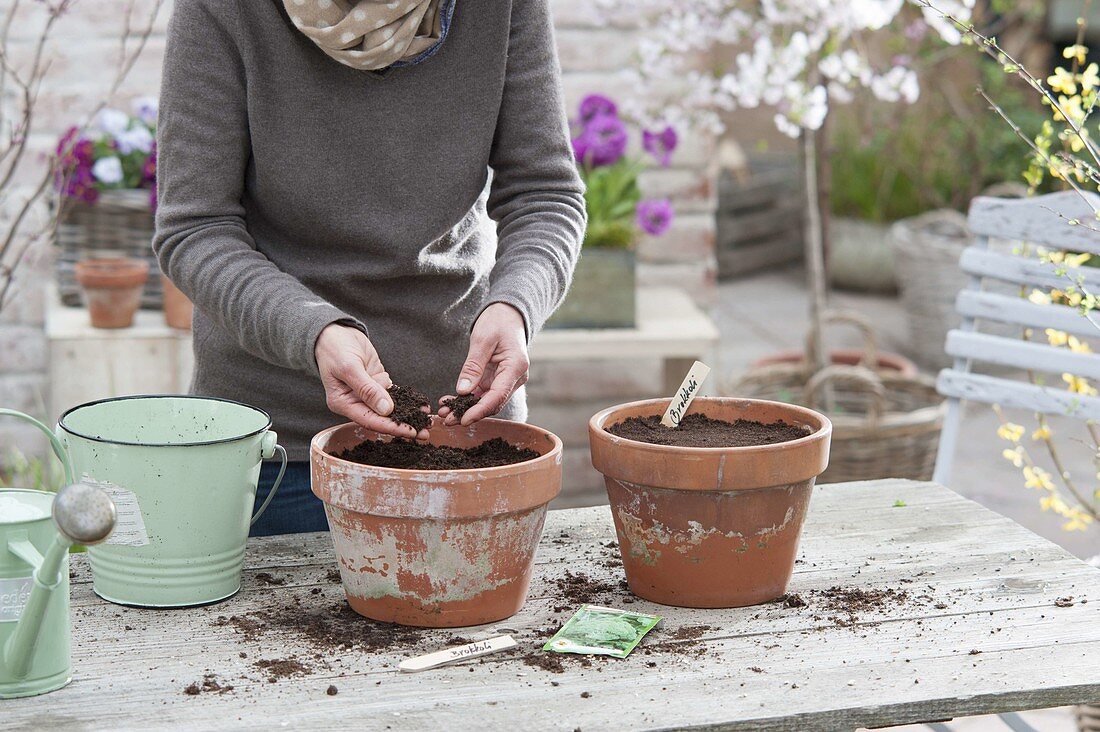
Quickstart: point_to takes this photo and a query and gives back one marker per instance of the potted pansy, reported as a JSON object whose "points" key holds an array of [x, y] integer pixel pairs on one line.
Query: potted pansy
{"points": [[602, 294], [106, 194]]}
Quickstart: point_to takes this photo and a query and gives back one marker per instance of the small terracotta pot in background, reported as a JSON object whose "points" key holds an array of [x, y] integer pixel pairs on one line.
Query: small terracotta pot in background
{"points": [[435, 548], [112, 289], [177, 308], [710, 527]]}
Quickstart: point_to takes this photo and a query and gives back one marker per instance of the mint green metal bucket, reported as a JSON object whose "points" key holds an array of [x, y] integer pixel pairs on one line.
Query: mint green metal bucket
{"points": [[182, 472]]}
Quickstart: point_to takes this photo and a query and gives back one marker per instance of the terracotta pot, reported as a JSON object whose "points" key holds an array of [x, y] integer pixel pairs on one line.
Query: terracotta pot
{"points": [[710, 527], [112, 289], [177, 308], [437, 549], [847, 357]]}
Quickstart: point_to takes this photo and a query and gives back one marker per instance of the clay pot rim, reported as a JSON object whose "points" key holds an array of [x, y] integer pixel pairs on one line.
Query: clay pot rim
{"points": [[111, 272], [552, 455], [823, 432]]}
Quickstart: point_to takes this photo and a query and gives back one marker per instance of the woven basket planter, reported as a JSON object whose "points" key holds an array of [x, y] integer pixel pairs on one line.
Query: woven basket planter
{"points": [[120, 223], [1088, 717], [885, 424]]}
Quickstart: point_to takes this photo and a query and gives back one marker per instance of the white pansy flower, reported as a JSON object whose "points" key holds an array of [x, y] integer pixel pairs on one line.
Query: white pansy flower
{"points": [[139, 138], [108, 170], [145, 109], [113, 121]]}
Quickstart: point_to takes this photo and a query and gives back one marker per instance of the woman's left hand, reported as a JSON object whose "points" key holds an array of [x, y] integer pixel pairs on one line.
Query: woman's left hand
{"points": [[496, 365]]}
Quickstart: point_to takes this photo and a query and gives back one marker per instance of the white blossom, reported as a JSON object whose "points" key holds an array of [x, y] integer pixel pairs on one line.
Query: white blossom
{"points": [[112, 121], [108, 170]]}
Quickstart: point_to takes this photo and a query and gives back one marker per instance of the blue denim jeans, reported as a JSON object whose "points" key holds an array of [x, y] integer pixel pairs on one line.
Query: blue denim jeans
{"points": [[294, 509]]}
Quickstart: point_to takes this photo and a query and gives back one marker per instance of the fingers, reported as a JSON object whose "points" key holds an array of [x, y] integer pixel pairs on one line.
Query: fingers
{"points": [[362, 415], [481, 351], [510, 375], [366, 388]]}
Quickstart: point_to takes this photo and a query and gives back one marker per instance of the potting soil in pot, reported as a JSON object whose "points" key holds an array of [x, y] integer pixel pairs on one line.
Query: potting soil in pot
{"points": [[699, 430], [408, 455]]}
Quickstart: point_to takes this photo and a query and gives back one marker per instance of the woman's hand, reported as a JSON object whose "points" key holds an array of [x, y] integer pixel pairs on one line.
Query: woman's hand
{"points": [[355, 381], [496, 365]]}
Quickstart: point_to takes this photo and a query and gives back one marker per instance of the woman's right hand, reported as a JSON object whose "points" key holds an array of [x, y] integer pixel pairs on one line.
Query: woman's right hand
{"points": [[355, 381]]}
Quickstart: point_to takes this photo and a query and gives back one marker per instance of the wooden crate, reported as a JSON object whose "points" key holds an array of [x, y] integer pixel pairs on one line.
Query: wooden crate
{"points": [[759, 216]]}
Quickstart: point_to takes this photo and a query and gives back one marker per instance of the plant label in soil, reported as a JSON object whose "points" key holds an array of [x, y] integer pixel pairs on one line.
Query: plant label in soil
{"points": [[458, 653], [602, 631], [689, 388]]}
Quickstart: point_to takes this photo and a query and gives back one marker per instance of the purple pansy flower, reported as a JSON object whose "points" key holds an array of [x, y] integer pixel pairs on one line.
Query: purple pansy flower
{"points": [[603, 142], [655, 215], [660, 144], [596, 105]]}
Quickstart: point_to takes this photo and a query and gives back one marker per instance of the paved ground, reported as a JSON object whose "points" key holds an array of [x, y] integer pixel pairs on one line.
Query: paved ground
{"points": [[767, 312]]}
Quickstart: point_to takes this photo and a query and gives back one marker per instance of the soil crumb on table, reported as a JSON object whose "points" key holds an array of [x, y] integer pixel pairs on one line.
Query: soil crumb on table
{"points": [[269, 579], [332, 628], [408, 406], [459, 405], [580, 589], [282, 668], [699, 430], [408, 455], [209, 684]]}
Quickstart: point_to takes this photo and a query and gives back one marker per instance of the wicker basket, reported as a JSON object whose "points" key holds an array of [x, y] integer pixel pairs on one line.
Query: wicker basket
{"points": [[1088, 717], [120, 223], [886, 423], [926, 257]]}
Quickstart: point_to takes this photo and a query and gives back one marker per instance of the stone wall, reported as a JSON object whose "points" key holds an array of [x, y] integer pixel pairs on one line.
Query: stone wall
{"points": [[85, 52]]}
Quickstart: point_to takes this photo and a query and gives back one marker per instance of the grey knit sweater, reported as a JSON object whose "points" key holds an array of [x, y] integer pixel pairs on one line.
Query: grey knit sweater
{"points": [[295, 192]]}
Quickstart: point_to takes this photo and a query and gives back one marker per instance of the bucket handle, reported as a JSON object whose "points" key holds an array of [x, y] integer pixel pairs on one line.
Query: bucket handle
{"points": [[268, 447], [55, 443]]}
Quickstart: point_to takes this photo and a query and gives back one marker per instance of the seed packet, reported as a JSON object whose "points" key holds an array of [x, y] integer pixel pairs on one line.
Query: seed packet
{"points": [[601, 631]]}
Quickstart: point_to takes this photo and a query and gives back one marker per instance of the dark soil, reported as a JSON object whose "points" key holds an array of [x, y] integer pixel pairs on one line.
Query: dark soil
{"points": [[332, 690], [283, 668], [791, 600], [408, 406], [333, 628], [269, 579], [699, 430], [209, 684], [580, 589], [547, 661], [409, 455], [461, 404]]}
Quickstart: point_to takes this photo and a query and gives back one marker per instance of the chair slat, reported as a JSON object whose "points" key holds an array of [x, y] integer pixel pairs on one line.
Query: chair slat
{"points": [[1016, 394], [1008, 309], [1042, 220], [1024, 270], [1021, 354]]}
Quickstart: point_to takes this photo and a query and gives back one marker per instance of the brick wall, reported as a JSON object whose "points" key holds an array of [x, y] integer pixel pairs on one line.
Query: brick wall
{"points": [[85, 51]]}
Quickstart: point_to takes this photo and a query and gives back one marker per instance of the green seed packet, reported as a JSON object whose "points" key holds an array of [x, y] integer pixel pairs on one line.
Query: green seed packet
{"points": [[601, 631]]}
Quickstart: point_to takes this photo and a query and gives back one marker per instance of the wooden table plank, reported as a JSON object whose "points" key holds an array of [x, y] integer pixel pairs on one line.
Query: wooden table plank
{"points": [[977, 582]]}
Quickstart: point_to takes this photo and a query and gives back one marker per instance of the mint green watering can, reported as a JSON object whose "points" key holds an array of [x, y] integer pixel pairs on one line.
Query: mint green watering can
{"points": [[182, 472], [36, 530]]}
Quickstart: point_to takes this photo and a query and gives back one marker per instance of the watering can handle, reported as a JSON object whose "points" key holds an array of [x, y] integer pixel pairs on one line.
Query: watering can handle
{"points": [[274, 486], [55, 442]]}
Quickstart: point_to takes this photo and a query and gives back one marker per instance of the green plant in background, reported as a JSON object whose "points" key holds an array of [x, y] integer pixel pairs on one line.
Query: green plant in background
{"points": [[21, 471], [888, 166], [612, 198]]}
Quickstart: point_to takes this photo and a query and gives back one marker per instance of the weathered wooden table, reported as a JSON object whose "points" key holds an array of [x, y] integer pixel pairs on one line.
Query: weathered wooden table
{"points": [[977, 615]]}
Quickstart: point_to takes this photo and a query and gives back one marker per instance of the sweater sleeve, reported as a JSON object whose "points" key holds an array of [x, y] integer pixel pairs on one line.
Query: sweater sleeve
{"points": [[536, 198], [201, 239]]}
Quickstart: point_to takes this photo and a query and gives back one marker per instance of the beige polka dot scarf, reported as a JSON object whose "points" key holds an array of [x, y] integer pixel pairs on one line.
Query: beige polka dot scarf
{"points": [[373, 34]]}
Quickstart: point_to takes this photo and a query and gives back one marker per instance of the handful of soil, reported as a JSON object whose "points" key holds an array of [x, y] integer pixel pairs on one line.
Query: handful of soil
{"points": [[699, 430], [408, 455], [459, 405], [407, 407]]}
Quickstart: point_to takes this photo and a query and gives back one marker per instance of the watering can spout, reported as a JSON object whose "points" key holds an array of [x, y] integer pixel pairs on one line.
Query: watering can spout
{"points": [[83, 514]]}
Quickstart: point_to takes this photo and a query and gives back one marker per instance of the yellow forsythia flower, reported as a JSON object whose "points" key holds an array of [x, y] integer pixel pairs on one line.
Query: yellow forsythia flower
{"points": [[1077, 345], [1062, 82], [1043, 433], [1037, 478], [1076, 51], [1013, 456], [1057, 337], [1078, 385], [1089, 78], [1076, 260], [1010, 431], [1039, 297]]}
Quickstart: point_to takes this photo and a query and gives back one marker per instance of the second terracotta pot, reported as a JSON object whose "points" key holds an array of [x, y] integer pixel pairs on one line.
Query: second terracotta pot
{"points": [[710, 527], [437, 548], [178, 309], [112, 289]]}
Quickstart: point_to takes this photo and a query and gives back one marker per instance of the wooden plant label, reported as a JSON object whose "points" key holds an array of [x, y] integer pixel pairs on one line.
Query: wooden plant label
{"points": [[696, 375], [458, 653]]}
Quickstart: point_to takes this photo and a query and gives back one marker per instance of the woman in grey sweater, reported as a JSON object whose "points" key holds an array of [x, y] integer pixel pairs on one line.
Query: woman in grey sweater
{"points": [[324, 198]]}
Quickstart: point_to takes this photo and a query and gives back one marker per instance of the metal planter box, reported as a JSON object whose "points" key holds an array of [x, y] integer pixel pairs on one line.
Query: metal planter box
{"points": [[602, 294]]}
